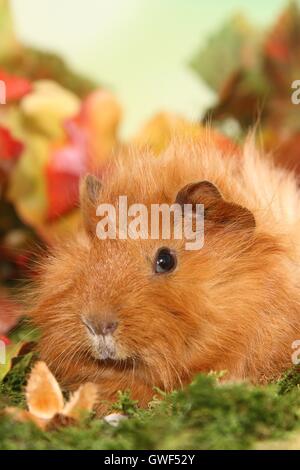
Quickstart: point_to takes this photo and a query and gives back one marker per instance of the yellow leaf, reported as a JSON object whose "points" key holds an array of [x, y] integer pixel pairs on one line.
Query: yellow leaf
{"points": [[9, 46], [47, 107], [27, 190], [101, 116], [158, 132]]}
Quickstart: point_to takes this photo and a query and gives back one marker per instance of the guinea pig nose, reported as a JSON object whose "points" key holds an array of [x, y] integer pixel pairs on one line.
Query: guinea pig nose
{"points": [[108, 327], [98, 326]]}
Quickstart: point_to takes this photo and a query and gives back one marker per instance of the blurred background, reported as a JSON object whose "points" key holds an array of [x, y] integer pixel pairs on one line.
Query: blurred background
{"points": [[87, 79], [140, 49]]}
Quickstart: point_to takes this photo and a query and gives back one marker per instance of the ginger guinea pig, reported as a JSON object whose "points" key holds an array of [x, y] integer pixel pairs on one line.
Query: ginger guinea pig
{"points": [[134, 314]]}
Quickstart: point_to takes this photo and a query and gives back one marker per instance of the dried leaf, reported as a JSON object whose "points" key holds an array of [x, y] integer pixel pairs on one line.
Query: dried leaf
{"points": [[83, 400], [261, 92], [282, 50], [45, 401], [59, 421], [43, 394], [287, 153], [24, 416]]}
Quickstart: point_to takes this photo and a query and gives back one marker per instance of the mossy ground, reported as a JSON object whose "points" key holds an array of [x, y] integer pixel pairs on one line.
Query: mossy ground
{"points": [[207, 415]]}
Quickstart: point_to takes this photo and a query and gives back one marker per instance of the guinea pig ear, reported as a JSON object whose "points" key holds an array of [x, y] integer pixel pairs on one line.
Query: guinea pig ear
{"points": [[89, 194], [216, 209]]}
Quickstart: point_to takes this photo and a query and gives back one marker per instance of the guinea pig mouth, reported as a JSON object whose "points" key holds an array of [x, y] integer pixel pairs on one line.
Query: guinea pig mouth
{"points": [[104, 347]]}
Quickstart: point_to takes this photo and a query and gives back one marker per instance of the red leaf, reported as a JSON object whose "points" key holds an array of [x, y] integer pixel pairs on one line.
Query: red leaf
{"points": [[62, 192], [277, 50], [5, 340], [10, 148], [95, 124], [16, 87], [66, 166]]}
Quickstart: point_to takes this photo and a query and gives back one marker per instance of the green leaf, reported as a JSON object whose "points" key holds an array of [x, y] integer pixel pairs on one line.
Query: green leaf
{"points": [[234, 46], [12, 386]]}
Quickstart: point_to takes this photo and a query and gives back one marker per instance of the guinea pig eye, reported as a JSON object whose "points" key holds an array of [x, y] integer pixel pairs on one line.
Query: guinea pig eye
{"points": [[165, 261]]}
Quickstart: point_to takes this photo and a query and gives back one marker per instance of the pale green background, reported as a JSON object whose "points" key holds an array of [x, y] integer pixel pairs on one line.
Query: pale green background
{"points": [[138, 48]]}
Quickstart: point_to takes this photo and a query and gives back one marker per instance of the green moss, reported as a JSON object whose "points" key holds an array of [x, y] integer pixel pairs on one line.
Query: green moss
{"points": [[125, 404], [12, 386], [290, 380], [206, 415]]}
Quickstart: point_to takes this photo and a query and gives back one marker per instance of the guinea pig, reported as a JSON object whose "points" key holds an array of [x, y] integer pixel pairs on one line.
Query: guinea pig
{"points": [[138, 314]]}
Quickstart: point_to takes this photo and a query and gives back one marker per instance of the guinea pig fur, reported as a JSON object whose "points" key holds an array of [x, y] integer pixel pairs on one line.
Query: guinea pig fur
{"points": [[107, 317]]}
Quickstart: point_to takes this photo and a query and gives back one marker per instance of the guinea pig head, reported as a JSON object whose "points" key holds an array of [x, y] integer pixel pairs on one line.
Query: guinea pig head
{"points": [[152, 304], [152, 308]]}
